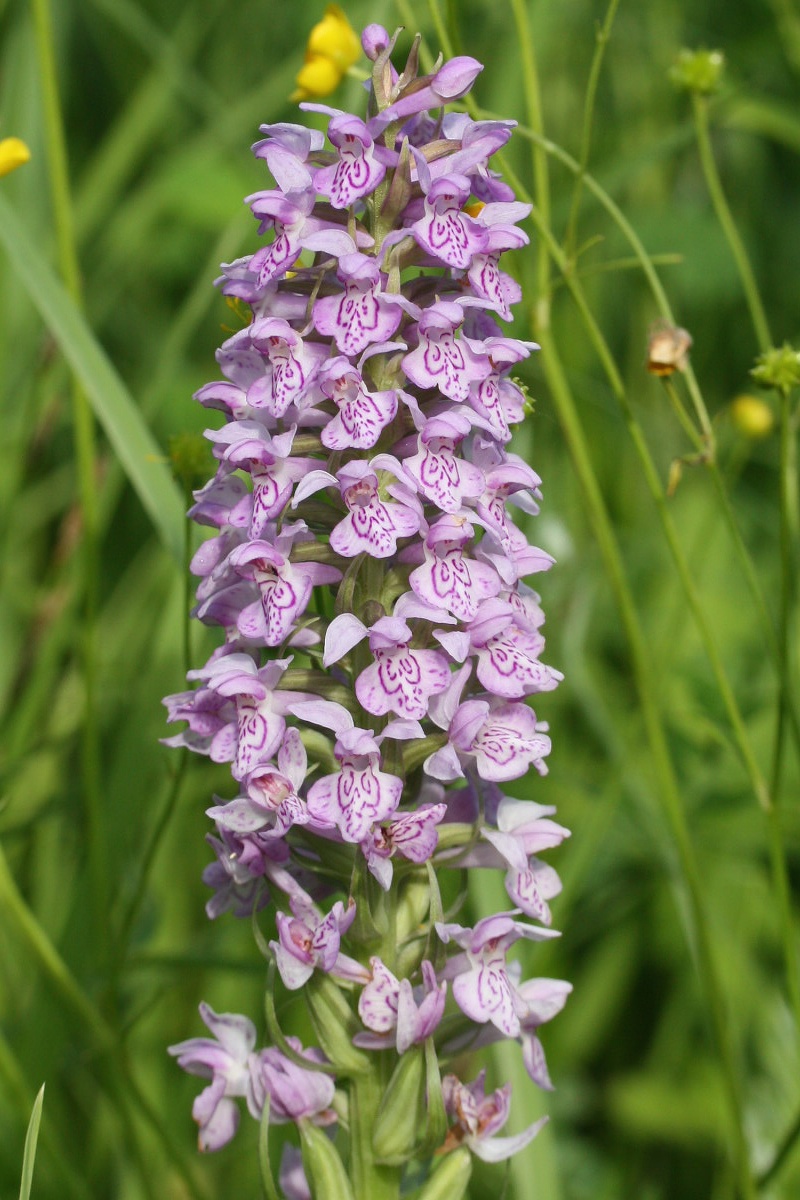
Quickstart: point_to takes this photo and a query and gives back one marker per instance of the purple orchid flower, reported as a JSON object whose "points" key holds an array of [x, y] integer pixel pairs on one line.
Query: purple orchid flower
{"points": [[445, 232], [365, 313], [482, 986], [362, 415], [508, 655], [357, 171], [411, 835], [294, 1093], [296, 229], [273, 803], [373, 523], [369, 391], [448, 578], [309, 941], [478, 1116], [499, 740], [246, 445], [225, 1060], [391, 1011], [257, 730], [286, 149], [443, 477], [360, 793], [441, 360], [238, 873], [400, 680], [285, 587]]}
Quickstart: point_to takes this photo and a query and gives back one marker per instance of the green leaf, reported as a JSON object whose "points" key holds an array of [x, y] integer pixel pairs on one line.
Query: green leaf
{"points": [[136, 448], [31, 1138]]}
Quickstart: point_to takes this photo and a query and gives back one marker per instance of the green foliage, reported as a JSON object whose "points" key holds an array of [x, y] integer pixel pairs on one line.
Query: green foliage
{"points": [[674, 899]]}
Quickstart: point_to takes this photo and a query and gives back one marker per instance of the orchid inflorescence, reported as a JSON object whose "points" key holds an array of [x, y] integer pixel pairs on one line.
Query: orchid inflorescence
{"points": [[380, 643]]}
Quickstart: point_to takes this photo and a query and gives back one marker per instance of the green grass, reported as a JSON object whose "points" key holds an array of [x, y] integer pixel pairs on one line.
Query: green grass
{"points": [[679, 927]]}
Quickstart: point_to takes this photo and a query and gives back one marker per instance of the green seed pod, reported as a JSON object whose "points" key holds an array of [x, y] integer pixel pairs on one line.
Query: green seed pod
{"points": [[323, 1166], [335, 1025], [401, 1117], [450, 1179]]}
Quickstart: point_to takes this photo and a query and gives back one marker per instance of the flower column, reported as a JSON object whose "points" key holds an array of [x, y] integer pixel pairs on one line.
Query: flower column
{"points": [[380, 646]]}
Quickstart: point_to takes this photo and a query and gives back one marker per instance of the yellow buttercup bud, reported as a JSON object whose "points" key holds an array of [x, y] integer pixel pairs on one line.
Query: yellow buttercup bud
{"points": [[333, 47], [335, 38], [752, 417], [13, 153], [318, 76]]}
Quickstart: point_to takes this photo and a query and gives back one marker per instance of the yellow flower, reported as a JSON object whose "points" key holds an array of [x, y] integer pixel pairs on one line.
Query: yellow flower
{"points": [[752, 417], [13, 153], [333, 47]]}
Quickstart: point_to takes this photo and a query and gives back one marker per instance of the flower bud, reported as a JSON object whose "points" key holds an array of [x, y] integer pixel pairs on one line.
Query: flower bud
{"points": [[13, 153], [335, 1026], [778, 368], [752, 417], [698, 71], [323, 1166], [335, 38], [451, 1178], [374, 40], [400, 1121]]}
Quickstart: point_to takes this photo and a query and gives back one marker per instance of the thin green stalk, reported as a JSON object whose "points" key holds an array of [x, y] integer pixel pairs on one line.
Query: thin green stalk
{"points": [[646, 690], [777, 853], [370, 1180], [776, 647], [757, 781], [788, 544], [706, 434], [84, 443], [541, 173], [601, 41], [668, 785], [789, 517], [725, 218], [740, 734]]}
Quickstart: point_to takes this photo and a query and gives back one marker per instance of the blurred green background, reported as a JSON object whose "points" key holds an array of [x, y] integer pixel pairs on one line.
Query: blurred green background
{"points": [[106, 963]]}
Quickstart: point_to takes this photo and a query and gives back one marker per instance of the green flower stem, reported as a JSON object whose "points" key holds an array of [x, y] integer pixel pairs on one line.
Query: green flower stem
{"points": [[757, 781], [645, 684], [602, 36], [786, 710], [370, 1180], [743, 743], [725, 217], [789, 540], [84, 443], [668, 784], [705, 436], [105, 1039], [541, 174]]}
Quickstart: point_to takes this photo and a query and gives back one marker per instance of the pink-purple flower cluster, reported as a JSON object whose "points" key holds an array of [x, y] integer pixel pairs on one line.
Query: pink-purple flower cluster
{"points": [[380, 644]]}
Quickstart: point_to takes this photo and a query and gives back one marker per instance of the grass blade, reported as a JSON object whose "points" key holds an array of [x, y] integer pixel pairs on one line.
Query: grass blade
{"points": [[31, 1138], [114, 407]]}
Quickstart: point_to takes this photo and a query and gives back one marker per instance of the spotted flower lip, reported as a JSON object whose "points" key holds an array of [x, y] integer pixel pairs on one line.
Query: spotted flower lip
{"points": [[365, 566]]}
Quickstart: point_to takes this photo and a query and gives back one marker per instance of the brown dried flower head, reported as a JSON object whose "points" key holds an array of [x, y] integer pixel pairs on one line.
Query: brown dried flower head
{"points": [[667, 349]]}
